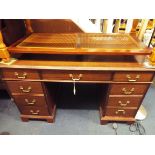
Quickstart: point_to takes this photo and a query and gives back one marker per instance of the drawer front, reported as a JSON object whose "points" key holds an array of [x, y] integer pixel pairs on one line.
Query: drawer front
{"points": [[124, 101], [27, 100], [119, 112], [37, 111], [77, 75], [133, 76], [20, 74], [128, 89], [25, 87]]}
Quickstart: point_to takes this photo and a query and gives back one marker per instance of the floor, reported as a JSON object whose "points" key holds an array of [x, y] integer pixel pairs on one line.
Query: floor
{"points": [[69, 120]]}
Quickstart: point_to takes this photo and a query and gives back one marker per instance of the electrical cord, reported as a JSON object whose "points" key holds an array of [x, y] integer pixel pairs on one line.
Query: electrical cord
{"points": [[137, 127], [115, 126]]}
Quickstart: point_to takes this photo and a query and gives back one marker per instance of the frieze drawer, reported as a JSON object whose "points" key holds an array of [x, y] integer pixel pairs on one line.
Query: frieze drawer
{"points": [[20, 74], [133, 76]]}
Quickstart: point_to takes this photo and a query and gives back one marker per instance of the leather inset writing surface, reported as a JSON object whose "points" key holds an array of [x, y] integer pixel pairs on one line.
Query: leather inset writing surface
{"points": [[104, 41]]}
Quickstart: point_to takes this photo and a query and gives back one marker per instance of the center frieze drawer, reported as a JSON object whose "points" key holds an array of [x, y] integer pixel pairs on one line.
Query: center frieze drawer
{"points": [[76, 75], [128, 89], [25, 87]]}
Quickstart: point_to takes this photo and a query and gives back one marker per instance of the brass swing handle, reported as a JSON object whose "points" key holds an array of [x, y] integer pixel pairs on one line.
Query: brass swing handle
{"points": [[123, 104], [132, 80], [128, 92], [25, 90], [22, 76], [34, 113], [120, 111], [75, 79], [30, 103]]}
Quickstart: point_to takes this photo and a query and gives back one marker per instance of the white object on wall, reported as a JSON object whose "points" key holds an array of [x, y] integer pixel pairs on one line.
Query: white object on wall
{"points": [[129, 25], [87, 26], [147, 37], [110, 26]]}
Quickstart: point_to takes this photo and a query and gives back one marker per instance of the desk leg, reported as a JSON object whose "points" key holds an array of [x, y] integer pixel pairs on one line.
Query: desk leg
{"points": [[24, 119], [50, 120]]}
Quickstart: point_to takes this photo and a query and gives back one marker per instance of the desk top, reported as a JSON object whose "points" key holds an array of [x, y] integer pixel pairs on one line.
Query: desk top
{"points": [[80, 43], [73, 62]]}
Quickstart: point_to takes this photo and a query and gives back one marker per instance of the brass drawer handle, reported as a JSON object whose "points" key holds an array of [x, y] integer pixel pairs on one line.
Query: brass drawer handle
{"points": [[75, 79], [30, 103], [128, 92], [34, 113], [120, 111], [25, 90], [132, 80], [21, 77], [123, 104]]}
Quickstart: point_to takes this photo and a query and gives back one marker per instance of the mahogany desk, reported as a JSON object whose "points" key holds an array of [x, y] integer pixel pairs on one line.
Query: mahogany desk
{"points": [[109, 60]]}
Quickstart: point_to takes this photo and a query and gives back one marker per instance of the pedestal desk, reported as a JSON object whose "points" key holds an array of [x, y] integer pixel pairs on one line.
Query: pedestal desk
{"points": [[115, 61]]}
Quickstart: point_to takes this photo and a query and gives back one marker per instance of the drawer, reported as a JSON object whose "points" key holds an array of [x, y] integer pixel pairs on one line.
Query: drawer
{"points": [[120, 112], [133, 76], [128, 89], [27, 100], [20, 74], [124, 101], [29, 110], [25, 87], [77, 75]]}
